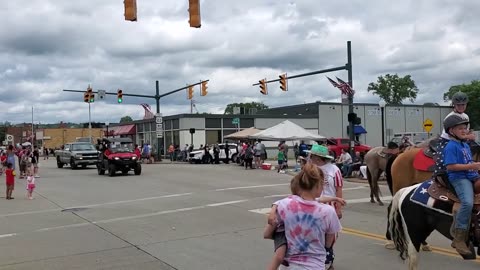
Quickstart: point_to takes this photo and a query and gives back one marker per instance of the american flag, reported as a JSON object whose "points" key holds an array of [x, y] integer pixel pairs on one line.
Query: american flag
{"points": [[148, 111], [345, 87], [334, 83]]}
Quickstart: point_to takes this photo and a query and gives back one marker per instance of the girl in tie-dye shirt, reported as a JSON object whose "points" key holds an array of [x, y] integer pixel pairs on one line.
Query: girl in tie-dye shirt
{"points": [[310, 227]]}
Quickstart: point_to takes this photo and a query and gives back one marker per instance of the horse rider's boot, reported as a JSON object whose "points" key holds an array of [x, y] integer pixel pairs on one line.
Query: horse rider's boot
{"points": [[459, 242]]}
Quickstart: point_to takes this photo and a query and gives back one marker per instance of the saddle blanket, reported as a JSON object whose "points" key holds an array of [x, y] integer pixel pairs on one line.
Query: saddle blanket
{"points": [[420, 196], [423, 163]]}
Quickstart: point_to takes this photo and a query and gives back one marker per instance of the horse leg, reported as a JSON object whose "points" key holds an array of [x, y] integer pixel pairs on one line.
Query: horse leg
{"points": [[389, 244], [376, 188], [369, 178]]}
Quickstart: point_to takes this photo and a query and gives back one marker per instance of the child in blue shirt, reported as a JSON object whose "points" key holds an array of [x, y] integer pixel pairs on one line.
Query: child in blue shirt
{"points": [[462, 174]]}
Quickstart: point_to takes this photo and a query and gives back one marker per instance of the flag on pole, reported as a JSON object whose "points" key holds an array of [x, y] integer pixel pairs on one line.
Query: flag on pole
{"points": [[148, 111], [345, 87], [334, 83]]}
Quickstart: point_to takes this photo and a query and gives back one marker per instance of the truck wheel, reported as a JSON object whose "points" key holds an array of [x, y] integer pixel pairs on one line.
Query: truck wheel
{"points": [[72, 164], [111, 170], [100, 170], [59, 163], [138, 170]]}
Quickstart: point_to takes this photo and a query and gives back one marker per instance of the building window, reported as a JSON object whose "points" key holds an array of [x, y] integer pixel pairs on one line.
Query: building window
{"points": [[140, 127], [146, 127], [153, 126], [168, 138], [247, 122], [167, 124], [213, 123], [213, 136], [176, 137], [227, 123], [175, 124]]}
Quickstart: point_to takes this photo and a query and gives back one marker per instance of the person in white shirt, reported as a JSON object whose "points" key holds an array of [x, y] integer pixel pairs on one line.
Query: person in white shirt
{"points": [[459, 102]]}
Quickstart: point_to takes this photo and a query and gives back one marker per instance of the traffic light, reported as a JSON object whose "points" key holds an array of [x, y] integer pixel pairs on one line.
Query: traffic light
{"points": [[203, 91], [119, 96], [194, 12], [263, 87], [190, 92], [86, 97], [130, 10], [283, 82], [89, 95]]}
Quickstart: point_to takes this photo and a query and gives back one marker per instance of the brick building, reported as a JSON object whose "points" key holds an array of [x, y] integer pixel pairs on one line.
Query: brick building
{"points": [[56, 137], [20, 133]]}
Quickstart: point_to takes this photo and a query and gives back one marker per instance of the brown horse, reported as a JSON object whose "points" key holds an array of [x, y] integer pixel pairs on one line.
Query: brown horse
{"points": [[376, 161]]}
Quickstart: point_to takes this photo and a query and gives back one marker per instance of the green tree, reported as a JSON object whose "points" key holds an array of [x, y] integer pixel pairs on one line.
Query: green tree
{"points": [[472, 90], [394, 89], [126, 119], [258, 105]]}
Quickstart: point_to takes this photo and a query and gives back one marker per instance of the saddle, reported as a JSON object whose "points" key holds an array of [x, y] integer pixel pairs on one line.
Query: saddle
{"points": [[432, 148], [442, 190]]}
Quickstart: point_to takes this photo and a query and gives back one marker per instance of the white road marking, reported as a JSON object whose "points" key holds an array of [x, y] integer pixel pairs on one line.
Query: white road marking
{"points": [[262, 211], [353, 188], [97, 205], [364, 200], [247, 187], [127, 217], [225, 203]]}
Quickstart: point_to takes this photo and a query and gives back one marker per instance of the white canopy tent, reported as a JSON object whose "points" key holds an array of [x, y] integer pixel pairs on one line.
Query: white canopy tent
{"points": [[286, 131], [242, 134]]}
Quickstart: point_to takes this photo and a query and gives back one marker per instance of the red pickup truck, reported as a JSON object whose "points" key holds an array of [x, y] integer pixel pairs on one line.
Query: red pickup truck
{"points": [[335, 146]]}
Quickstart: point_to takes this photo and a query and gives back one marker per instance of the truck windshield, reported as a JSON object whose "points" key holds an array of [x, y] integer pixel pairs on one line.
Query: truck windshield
{"points": [[121, 148], [82, 147]]}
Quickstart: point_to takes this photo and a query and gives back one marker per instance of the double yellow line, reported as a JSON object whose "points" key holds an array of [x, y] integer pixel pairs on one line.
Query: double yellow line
{"points": [[438, 250]]}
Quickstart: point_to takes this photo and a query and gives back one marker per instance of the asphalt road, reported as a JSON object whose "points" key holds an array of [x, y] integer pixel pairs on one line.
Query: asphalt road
{"points": [[178, 216]]}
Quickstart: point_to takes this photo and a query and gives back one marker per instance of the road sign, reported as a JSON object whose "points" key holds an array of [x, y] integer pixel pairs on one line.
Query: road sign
{"points": [[159, 122], [427, 125], [235, 121]]}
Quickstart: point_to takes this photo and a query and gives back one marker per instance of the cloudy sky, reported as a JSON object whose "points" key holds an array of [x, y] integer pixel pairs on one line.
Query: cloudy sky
{"points": [[50, 45]]}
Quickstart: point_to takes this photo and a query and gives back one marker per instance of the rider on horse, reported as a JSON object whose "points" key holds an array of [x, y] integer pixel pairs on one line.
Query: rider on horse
{"points": [[462, 173], [459, 102]]}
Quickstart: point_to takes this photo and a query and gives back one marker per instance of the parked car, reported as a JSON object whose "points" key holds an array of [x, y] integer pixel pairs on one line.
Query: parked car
{"points": [[77, 154], [335, 146], [116, 154], [196, 156]]}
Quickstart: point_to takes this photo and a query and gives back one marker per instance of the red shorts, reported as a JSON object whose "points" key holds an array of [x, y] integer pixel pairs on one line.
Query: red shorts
{"points": [[9, 182]]}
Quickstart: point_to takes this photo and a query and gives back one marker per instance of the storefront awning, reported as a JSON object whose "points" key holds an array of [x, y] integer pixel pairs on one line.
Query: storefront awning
{"points": [[122, 130], [358, 129]]}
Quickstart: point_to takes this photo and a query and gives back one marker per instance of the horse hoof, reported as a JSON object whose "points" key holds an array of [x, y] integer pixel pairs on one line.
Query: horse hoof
{"points": [[380, 203], [390, 245], [426, 247]]}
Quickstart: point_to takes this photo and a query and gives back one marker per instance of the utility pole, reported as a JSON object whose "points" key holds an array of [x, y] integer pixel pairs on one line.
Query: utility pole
{"points": [[33, 136], [350, 98], [89, 124], [191, 106]]}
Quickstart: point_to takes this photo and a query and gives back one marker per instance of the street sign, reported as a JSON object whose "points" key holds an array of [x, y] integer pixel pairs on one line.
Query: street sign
{"points": [[236, 121], [427, 125], [159, 122], [102, 94]]}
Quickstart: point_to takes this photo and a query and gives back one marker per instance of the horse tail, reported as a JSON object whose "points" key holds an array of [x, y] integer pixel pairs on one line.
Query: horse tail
{"points": [[396, 227], [388, 173]]}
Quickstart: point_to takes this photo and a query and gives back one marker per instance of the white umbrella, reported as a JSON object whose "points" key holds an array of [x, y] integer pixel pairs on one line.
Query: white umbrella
{"points": [[26, 144]]}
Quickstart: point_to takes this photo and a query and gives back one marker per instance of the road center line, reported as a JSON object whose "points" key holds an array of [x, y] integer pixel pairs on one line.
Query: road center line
{"points": [[98, 204], [247, 187], [178, 210]]}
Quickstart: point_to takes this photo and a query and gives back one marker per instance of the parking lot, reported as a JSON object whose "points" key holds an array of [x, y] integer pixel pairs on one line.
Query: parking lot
{"points": [[176, 216]]}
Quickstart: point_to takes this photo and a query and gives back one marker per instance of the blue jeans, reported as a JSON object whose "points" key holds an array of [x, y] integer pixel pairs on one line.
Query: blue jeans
{"points": [[464, 190]]}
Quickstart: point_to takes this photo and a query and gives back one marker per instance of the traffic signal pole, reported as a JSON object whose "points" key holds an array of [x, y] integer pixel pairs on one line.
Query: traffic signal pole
{"points": [[157, 98], [348, 67]]}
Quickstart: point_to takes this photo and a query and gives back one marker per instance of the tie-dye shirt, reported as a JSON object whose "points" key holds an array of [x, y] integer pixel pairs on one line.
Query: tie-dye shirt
{"points": [[306, 223]]}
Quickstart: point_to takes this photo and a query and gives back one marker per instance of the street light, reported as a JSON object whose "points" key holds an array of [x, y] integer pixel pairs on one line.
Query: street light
{"points": [[382, 104]]}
